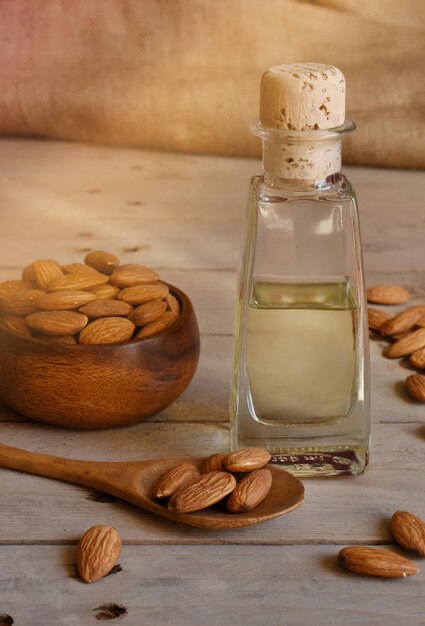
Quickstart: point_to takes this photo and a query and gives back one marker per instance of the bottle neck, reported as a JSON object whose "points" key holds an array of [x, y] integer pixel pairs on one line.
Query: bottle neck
{"points": [[301, 159]]}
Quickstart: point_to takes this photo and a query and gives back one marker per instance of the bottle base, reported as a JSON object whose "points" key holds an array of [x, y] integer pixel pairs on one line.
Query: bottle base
{"points": [[315, 460], [323, 461]]}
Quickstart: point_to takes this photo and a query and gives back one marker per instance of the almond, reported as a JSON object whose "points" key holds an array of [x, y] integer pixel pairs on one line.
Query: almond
{"points": [[398, 336], [64, 300], [128, 266], [157, 327], [387, 294], [59, 339], [16, 325], [406, 345], [77, 268], [172, 303], [400, 323], [28, 273], [250, 491], [419, 307], [106, 308], [376, 562], [207, 490], [246, 459], [148, 312], [421, 321], [44, 271], [176, 478], [377, 319], [415, 385], [106, 291], [104, 262], [417, 358], [78, 282], [8, 287], [57, 322], [97, 552], [214, 463], [107, 330], [138, 275], [409, 531], [139, 294], [21, 302]]}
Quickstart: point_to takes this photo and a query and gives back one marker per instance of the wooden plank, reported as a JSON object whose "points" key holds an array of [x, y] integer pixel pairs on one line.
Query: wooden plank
{"points": [[178, 210], [209, 585], [357, 509], [181, 210]]}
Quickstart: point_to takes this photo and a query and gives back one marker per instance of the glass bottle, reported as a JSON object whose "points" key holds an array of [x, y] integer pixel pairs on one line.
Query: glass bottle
{"points": [[301, 378]]}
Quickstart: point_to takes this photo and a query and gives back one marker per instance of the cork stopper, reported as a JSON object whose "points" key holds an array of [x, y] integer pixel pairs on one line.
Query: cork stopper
{"points": [[302, 96]]}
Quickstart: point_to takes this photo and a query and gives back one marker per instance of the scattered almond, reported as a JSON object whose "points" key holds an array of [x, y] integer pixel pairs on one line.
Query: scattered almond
{"points": [[376, 562], [207, 490], [415, 385], [97, 552], [107, 330], [143, 293], [137, 275], [64, 300], [106, 308], [148, 312], [417, 358], [250, 491], [104, 262], [406, 345], [157, 327], [377, 318], [16, 325], [213, 464], [398, 336], [247, 459], [400, 323], [57, 322], [387, 294], [409, 531], [421, 321], [177, 477]]}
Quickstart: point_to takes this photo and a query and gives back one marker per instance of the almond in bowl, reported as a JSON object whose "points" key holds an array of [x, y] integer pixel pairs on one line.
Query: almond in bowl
{"points": [[80, 351]]}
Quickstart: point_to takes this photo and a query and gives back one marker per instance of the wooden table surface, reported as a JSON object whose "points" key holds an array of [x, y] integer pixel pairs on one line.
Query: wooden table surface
{"points": [[182, 215]]}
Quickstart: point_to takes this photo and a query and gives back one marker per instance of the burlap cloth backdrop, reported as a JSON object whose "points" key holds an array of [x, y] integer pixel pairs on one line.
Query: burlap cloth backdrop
{"points": [[184, 74]]}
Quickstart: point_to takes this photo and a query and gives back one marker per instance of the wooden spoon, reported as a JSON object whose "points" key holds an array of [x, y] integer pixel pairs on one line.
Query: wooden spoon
{"points": [[134, 481]]}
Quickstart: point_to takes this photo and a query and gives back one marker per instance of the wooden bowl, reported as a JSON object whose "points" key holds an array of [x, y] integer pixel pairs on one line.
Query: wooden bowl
{"points": [[99, 386]]}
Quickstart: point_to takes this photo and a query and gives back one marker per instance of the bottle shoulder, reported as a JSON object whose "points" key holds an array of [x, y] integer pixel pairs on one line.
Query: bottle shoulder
{"points": [[338, 188]]}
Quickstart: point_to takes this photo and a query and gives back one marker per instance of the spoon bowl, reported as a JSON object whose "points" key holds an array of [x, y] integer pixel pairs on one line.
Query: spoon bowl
{"points": [[134, 481]]}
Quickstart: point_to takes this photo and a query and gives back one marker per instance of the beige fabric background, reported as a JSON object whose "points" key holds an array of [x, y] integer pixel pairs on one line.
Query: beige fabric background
{"points": [[184, 74]]}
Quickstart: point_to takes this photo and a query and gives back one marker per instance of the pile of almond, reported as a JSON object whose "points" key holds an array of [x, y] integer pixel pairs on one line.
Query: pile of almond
{"points": [[95, 302], [189, 489], [406, 330], [409, 532]]}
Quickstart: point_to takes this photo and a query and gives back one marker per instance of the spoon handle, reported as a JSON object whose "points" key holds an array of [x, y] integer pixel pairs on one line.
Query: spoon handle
{"points": [[81, 472]]}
